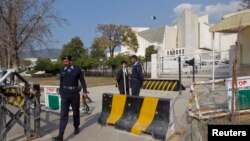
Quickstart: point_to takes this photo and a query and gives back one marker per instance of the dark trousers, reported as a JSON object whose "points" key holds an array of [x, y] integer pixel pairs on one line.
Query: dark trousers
{"points": [[68, 99], [135, 87], [122, 90]]}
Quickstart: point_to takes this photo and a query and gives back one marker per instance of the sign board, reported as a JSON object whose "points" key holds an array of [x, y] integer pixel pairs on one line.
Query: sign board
{"points": [[51, 91], [243, 83]]}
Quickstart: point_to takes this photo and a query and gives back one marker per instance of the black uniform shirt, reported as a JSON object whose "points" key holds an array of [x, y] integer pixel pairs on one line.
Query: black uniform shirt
{"points": [[69, 78]]}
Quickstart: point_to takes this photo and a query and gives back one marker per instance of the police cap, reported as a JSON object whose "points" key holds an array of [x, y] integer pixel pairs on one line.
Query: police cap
{"points": [[67, 57]]}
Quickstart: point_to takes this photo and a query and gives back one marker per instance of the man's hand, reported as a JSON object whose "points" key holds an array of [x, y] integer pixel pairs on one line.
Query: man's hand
{"points": [[85, 94]]}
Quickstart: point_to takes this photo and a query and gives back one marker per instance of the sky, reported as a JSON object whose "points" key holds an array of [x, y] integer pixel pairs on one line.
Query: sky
{"points": [[84, 15]]}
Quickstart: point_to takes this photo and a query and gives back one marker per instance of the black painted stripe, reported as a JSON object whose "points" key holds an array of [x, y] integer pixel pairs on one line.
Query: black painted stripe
{"points": [[159, 126], [130, 114], [106, 108], [145, 84]]}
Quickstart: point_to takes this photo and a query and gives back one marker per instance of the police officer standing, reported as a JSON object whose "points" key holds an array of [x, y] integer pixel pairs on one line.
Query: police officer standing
{"points": [[136, 76], [122, 78], [69, 91]]}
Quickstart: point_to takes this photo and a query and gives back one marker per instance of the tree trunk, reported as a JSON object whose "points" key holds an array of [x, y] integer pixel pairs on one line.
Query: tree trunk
{"points": [[8, 58], [16, 59]]}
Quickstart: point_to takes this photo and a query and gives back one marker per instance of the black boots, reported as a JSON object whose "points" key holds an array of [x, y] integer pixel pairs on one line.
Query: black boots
{"points": [[77, 130], [58, 138]]}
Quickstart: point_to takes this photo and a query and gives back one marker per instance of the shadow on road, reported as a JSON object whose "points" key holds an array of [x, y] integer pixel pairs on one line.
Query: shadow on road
{"points": [[88, 122]]}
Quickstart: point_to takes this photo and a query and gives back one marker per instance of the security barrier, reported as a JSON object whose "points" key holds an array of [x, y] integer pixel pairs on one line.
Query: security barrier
{"points": [[26, 98], [138, 114], [161, 84]]}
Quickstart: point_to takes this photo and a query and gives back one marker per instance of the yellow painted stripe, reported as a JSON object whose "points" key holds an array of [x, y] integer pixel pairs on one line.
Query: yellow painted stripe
{"points": [[160, 85], [11, 100], [156, 85], [169, 85], [148, 84], [22, 103], [16, 102], [145, 83], [118, 104], [190, 101], [174, 86], [163, 88], [153, 82], [146, 115]]}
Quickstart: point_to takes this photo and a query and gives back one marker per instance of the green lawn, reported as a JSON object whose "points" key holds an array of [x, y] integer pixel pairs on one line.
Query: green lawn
{"points": [[91, 81]]}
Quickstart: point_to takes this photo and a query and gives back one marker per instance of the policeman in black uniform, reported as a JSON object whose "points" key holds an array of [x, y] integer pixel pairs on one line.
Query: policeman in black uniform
{"points": [[69, 91], [122, 78], [136, 76]]}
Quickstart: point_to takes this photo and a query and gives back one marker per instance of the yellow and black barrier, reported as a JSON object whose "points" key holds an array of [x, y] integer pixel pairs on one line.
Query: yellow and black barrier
{"points": [[161, 85], [137, 114], [14, 96]]}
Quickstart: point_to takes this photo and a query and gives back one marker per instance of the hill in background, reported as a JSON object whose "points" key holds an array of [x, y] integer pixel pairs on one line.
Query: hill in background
{"points": [[41, 53]]}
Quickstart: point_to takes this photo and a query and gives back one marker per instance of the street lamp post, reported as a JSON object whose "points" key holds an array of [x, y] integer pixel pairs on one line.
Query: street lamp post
{"points": [[101, 60]]}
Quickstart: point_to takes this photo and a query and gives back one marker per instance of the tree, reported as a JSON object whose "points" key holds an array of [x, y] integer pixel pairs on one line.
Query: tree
{"points": [[116, 35], [246, 4], [99, 45], [75, 48], [131, 40], [25, 24], [115, 62], [150, 50], [25, 64], [43, 64]]}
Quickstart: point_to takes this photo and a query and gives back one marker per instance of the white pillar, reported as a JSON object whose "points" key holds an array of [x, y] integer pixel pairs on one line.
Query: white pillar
{"points": [[154, 73], [213, 44]]}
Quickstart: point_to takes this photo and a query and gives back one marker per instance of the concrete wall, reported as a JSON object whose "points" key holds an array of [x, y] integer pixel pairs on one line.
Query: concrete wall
{"points": [[227, 40], [169, 39], [188, 31], [244, 40], [204, 36], [143, 44]]}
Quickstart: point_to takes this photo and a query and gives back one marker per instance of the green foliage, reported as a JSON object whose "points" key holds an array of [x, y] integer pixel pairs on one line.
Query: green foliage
{"points": [[45, 64], [116, 61], [131, 40], [117, 35], [150, 50], [75, 48], [32, 71], [87, 62], [25, 64], [99, 45]]}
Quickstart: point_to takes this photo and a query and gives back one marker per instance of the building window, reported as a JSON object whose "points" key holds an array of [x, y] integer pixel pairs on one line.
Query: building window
{"points": [[168, 53], [173, 52], [179, 51], [182, 51]]}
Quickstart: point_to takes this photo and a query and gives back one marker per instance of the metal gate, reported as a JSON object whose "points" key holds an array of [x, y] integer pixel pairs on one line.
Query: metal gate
{"points": [[168, 65]]}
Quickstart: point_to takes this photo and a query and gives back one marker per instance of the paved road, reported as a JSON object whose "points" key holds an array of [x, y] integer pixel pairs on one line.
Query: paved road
{"points": [[92, 131]]}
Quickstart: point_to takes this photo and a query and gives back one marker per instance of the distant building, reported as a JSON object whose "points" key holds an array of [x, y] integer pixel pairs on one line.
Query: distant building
{"points": [[189, 34]]}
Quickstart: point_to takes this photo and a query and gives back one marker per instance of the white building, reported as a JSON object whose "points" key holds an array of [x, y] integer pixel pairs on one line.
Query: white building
{"points": [[189, 34]]}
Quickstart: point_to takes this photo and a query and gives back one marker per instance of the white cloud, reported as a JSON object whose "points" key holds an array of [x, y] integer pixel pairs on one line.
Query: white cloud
{"points": [[181, 7], [215, 11]]}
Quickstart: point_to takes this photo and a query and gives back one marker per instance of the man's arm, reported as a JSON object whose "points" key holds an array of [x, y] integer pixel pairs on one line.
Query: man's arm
{"points": [[61, 79], [83, 82], [141, 74], [119, 75]]}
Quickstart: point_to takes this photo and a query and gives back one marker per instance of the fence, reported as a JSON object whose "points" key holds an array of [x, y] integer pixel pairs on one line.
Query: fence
{"points": [[167, 66]]}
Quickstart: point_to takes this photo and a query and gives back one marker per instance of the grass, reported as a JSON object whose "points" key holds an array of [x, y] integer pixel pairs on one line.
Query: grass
{"points": [[91, 81]]}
